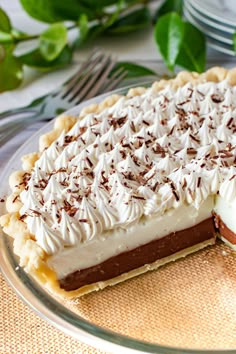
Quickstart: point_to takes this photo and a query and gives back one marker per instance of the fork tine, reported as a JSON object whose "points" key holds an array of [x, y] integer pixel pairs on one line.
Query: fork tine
{"points": [[8, 132], [89, 79], [79, 71], [115, 79], [85, 67], [101, 81], [95, 83], [82, 80], [116, 73]]}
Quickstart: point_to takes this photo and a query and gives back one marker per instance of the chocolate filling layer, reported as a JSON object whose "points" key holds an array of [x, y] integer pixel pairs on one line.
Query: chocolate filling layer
{"points": [[140, 256], [228, 234]]}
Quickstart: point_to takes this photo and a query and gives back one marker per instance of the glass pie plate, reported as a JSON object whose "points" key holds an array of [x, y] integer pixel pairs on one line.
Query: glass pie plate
{"points": [[188, 306]]}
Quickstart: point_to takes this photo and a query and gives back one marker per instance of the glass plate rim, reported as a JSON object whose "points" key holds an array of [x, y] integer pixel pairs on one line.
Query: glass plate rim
{"points": [[78, 327]]}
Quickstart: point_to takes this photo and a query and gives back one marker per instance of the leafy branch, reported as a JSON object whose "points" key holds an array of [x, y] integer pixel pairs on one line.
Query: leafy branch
{"points": [[179, 42]]}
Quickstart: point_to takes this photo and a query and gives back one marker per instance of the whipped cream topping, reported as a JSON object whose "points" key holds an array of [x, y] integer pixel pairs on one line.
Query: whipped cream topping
{"points": [[137, 159]]}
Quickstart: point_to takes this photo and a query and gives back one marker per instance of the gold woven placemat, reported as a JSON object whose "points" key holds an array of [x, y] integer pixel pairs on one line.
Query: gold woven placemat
{"points": [[23, 332], [190, 303]]}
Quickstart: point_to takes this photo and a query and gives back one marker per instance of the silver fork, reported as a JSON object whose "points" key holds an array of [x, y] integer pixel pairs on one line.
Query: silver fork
{"points": [[91, 79]]}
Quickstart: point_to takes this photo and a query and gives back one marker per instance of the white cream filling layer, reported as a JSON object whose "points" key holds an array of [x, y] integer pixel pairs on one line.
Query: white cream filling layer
{"points": [[226, 210], [110, 244]]}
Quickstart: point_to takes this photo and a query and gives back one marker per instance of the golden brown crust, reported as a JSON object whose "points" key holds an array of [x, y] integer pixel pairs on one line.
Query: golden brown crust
{"points": [[31, 255], [29, 160]]}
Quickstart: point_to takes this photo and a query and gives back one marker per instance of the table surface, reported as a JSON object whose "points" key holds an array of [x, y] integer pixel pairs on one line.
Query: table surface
{"points": [[22, 331]]}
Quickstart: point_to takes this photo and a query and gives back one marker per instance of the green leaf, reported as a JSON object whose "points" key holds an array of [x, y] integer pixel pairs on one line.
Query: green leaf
{"points": [[98, 4], [5, 28], [114, 16], [170, 6], [168, 35], [5, 23], [19, 35], [51, 11], [133, 21], [11, 72], [83, 30], [36, 60], [2, 53], [134, 70], [234, 41], [52, 41], [6, 37], [94, 32], [192, 55]]}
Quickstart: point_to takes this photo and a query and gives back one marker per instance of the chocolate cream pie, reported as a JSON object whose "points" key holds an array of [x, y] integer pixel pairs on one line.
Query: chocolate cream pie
{"points": [[131, 184]]}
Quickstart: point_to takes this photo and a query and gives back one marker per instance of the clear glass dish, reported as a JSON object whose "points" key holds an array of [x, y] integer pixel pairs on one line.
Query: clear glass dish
{"points": [[184, 307]]}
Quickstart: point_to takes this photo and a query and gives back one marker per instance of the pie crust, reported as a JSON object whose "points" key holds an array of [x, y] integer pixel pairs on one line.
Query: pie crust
{"points": [[32, 257]]}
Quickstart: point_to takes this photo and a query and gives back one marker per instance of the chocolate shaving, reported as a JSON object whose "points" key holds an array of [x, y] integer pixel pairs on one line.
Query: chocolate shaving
{"points": [[123, 154], [132, 126], [194, 138], [229, 147], [64, 183], [128, 175], [35, 212], [121, 121], [69, 139], [191, 151], [198, 182], [158, 149], [138, 197], [153, 188], [191, 92], [180, 112], [25, 179], [201, 94], [229, 122], [89, 162], [191, 193], [171, 131], [23, 216], [15, 199], [126, 145], [43, 183], [150, 177], [83, 141], [183, 103], [217, 98], [140, 180], [184, 184], [71, 210]]}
